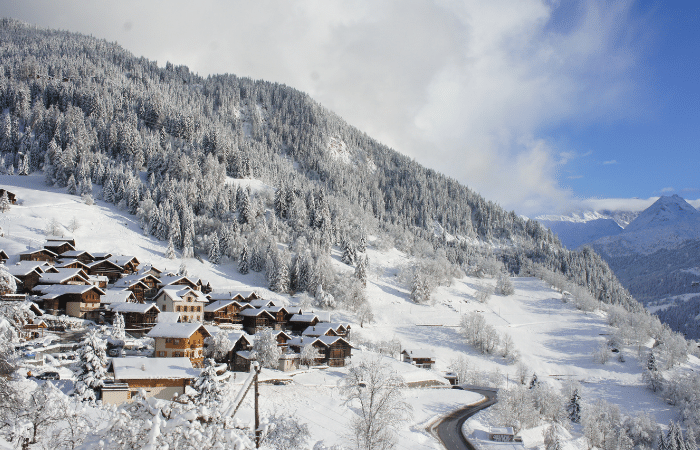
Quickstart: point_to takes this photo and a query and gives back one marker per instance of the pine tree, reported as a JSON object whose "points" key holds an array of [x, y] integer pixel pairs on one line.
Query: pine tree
{"points": [[534, 383], [361, 270], [574, 407], [92, 360], [170, 251], [243, 267], [214, 252], [207, 385], [118, 327], [651, 375], [349, 254], [72, 186], [4, 202]]}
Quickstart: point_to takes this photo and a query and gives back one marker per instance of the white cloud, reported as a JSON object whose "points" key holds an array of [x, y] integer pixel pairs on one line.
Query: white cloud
{"points": [[667, 189], [612, 161], [462, 86]]}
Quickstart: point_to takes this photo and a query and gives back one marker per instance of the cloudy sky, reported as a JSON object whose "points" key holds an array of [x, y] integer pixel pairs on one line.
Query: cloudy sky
{"points": [[536, 104]]}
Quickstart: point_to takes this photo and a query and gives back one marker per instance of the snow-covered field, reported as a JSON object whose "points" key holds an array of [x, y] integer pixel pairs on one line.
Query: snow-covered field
{"points": [[555, 340]]}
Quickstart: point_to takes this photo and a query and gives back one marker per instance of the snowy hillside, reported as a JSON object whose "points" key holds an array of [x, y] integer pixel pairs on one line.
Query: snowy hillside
{"points": [[555, 340]]}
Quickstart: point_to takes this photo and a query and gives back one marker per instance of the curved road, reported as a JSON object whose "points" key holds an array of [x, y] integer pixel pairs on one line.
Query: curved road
{"points": [[450, 429]]}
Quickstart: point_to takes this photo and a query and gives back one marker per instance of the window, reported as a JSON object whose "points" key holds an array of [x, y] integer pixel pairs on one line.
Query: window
{"points": [[178, 308], [168, 340], [199, 308]]}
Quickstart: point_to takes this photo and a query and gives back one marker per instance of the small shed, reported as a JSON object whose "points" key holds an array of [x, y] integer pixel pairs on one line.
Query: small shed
{"points": [[419, 357]]}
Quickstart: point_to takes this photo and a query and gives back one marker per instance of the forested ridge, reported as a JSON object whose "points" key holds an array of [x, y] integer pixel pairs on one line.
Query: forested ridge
{"points": [[161, 143]]}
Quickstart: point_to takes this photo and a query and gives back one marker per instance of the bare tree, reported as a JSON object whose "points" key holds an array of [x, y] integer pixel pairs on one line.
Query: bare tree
{"points": [[378, 391]]}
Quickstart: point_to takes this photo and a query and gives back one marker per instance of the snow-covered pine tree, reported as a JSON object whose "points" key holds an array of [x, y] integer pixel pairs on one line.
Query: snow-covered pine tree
{"points": [[4, 202], [652, 375], [534, 382], [265, 349], [574, 407], [214, 252], [92, 360], [72, 185], [207, 384], [280, 276], [349, 253], [504, 286], [118, 327], [170, 251], [243, 266], [361, 270], [7, 281]]}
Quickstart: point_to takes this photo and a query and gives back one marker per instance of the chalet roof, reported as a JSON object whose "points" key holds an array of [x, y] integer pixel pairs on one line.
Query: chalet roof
{"points": [[418, 353], [225, 296], [326, 341], [70, 240], [176, 330], [253, 312], [128, 282], [57, 244], [176, 293], [134, 278], [171, 279], [62, 263], [76, 253], [142, 368], [324, 316], [168, 317], [318, 330], [56, 290], [122, 260], [40, 250], [278, 332], [235, 336], [261, 303], [97, 278], [126, 307], [61, 276], [246, 354], [219, 304], [3, 254], [149, 268], [102, 262], [117, 296], [23, 268], [303, 318], [101, 255]]}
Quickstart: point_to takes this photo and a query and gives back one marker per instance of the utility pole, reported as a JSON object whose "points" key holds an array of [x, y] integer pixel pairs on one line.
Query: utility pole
{"points": [[257, 412]]}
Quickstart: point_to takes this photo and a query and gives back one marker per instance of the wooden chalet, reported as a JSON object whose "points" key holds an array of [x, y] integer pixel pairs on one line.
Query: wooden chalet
{"points": [[71, 264], [59, 245], [240, 341], [180, 339], [419, 357], [300, 322], [81, 301], [99, 256], [146, 283], [40, 254], [105, 268], [255, 320], [177, 280], [129, 264], [28, 272], [224, 311], [10, 196], [253, 296], [80, 255], [139, 318], [64, 276], [3, 256], [163, 378], [333, 350], [98, 280], [139, 288], [149, 269], [282, 339], [34, 329], [327, 329]]}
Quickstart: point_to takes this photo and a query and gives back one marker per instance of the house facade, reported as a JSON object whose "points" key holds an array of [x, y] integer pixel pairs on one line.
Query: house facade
{"points": [[188, 302], [175, 340]]}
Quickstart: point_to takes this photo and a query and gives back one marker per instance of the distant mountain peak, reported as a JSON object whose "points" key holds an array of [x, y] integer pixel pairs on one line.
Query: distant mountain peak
{"points": [[667, 210]]}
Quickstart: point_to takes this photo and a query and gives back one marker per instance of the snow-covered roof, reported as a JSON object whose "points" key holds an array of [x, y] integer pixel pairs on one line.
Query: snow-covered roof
{"points": [[303, 318], [133, 279], [501, 430], [59, 239], [61, 276], [324, 316], [26, 267], [102, 262], [235, 336], [176, 293], [261, 303], [306, 340], [39, 250], [56, 290], [75, 254], [101, 255], [419, 353], [168, 317], [124, 283], [318, 330], [170, 279], [126, 307], [252, 312], [247, 354], [62, 263], [116, 296], [219, 304], [121, 260], [176, 330], [142, 368]]}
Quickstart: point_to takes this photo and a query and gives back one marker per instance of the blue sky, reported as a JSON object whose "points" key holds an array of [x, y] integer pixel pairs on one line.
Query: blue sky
{"points": [[535, 104]]}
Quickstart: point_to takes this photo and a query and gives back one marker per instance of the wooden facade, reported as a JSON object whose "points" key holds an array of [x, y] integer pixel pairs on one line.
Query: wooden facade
{"points": [[105, 268], [256, 320], [227, 313], [10, 196], [191, 347], [41, 254]]}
